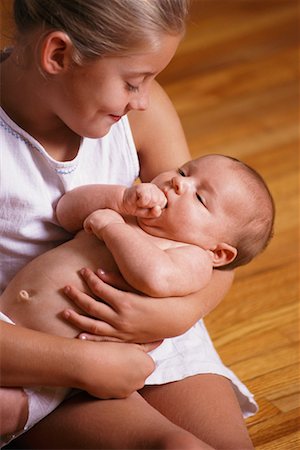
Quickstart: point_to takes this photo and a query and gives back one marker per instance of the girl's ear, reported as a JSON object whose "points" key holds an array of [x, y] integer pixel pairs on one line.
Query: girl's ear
{"points": [[56, 53], [223, 254]]}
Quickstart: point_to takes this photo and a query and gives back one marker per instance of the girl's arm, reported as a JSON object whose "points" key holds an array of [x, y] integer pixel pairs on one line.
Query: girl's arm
{"points": [[132, 317], [105, 370], [158, 136], [146, 267]]}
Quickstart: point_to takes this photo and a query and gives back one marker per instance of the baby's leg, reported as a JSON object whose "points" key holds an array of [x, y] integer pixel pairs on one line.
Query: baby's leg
{"points": [[85, 422], [206, 406], [13, 411]]}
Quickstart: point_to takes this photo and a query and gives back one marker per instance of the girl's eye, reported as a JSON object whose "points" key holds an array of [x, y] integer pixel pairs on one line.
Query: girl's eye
{"points": [[200, 199], [181, 172], [132, 88]]}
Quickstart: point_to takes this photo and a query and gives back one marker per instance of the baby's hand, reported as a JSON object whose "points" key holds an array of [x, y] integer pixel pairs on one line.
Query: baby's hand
{"points": [[98, 220], [144, 200]]}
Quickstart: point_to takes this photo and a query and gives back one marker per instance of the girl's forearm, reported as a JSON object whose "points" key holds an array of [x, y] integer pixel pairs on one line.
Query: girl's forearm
{"points": [[104, 369], [32, 358], [175, 315]]}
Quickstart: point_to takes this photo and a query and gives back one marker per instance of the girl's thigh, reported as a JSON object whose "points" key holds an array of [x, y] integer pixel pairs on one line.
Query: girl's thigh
{"points": [[206, 406], [84, 422]]}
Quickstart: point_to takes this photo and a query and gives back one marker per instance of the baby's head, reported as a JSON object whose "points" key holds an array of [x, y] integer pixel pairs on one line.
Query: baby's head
{"points": [[252, 226], [219, 204]]}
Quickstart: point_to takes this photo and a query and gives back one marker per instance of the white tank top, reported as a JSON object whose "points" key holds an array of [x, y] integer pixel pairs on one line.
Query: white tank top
{"points": [[31, 183]]}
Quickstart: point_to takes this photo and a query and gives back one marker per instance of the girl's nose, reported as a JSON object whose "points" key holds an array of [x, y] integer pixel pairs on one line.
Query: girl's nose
{"points": [[140, 100]]}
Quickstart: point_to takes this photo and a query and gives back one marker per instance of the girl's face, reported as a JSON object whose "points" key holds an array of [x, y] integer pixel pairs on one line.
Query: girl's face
{"points": [[89, 99]]}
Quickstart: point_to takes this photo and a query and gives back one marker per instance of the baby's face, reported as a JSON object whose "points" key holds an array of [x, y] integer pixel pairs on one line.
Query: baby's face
{"points": [[205, 198]]}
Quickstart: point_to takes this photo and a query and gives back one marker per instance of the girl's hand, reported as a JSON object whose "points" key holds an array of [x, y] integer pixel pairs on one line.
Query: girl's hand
{"points": [[132, 317], [143, 200], [104, 369], [125, 315], [113, 370]]}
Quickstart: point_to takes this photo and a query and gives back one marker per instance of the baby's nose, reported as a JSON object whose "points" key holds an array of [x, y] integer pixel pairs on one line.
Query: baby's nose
{"points": [[180, 184]]}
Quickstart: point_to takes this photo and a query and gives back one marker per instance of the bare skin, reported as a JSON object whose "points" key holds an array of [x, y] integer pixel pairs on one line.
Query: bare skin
{"points": [[39, 286]]}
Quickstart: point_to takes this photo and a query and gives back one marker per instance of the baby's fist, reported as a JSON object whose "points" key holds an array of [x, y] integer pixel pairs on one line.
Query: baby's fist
{"points": [[144, 200]]}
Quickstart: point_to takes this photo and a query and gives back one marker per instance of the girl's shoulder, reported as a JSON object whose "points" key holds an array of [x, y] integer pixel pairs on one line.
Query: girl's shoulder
{"points": [[158, 135]]}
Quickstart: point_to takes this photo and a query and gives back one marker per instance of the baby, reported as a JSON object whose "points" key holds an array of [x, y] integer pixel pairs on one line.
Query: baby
{"points": [[214, 212]]}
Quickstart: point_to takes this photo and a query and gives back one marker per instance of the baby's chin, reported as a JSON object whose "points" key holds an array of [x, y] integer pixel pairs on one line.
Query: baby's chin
{"points": [[151, 226]]}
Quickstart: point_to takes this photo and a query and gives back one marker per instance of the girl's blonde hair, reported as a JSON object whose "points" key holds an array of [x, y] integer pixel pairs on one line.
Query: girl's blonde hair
{"points": [[103, 27]]}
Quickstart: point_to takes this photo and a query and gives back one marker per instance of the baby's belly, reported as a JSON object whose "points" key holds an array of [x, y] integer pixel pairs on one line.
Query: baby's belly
{"points": [[35, 299]]}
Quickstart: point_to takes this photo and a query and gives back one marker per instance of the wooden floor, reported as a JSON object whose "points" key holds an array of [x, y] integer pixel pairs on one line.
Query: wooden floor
{"points": [[235, 83]]}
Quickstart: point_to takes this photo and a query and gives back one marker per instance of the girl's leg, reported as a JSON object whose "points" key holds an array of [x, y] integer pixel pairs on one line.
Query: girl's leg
{"points": [[206, 406], [88, 423], [13, 410]]}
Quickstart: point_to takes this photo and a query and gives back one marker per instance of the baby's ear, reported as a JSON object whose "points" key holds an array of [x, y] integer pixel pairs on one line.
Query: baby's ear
{"points": [[223, 254]]}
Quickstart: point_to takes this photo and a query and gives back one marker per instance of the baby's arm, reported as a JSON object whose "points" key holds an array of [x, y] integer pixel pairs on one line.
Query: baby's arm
{"points": [[156, 272], [144, 200]]}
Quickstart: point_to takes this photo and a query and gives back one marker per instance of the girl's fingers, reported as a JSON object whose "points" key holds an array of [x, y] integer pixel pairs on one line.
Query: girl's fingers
{"points": [[89, 305], [89, 325], [100, 289], [93, 337], [112, 296], [114, 279]]}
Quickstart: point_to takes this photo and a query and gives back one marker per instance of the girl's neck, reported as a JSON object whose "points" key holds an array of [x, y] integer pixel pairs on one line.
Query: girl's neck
{"points": [[21, 99]]}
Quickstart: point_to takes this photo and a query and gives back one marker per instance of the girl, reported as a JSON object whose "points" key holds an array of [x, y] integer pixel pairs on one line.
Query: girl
{"points": [[80, 106]]}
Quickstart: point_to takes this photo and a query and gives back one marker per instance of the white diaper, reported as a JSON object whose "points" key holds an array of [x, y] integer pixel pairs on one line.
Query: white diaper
{"points": [[41, 402]]}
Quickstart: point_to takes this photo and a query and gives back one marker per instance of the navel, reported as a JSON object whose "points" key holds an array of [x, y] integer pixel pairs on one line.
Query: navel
{"points": [[23, 296]]}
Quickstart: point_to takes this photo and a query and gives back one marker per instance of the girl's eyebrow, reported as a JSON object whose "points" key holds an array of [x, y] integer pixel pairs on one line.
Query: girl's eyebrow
{"points": [[136, 73]]}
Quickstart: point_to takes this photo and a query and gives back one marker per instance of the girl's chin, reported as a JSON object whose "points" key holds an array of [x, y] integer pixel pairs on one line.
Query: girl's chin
{"points": [[97, 132]]}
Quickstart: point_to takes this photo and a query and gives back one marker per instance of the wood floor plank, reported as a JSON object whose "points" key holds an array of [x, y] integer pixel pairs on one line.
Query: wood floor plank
{"points": [[279, 358], [266, 409], [252, 344], [238, 322], [289, 442], [275, 428], [281, 382], [287, 403]]}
